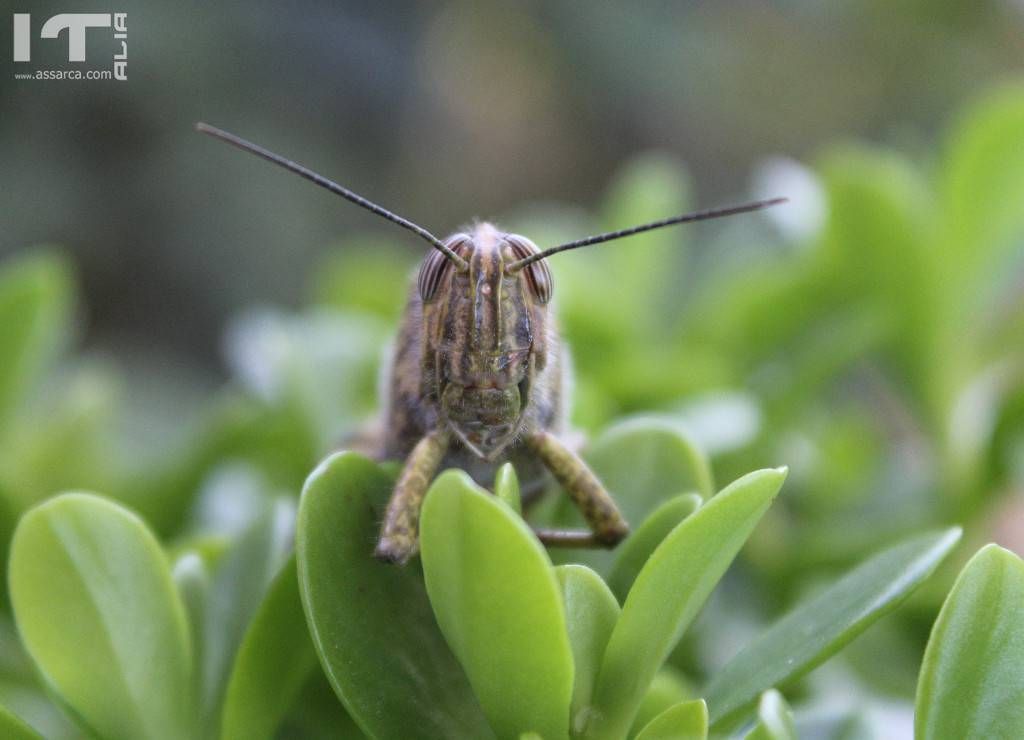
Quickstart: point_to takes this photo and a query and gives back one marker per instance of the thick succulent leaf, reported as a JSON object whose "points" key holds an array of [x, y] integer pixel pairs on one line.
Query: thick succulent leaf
{"points": [[506, 487], [645, 460], [499, 605], [8, 520], [685, 721], [971, 681], [668, 688], [323, 363], [21, 692], [879, 250], [845, 724], [316, 714], [590, 614], [274, 661], [984, 177], [642, 462], [669, 592], [647, 185], [631, 555], [371, 622], [27, 701], [774, 719], [63, 440], [192, 580], [237, 588], [609, 294], [366, 275], [85, 574], [35, 301], [817, 628], [12, 728]]}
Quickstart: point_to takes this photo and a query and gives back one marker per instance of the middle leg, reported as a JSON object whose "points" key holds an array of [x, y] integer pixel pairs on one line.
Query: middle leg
{"points": [[607, 525]]}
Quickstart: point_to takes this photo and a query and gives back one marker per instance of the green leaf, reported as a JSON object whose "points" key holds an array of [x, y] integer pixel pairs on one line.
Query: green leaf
{"points": [[590, 614], [648, 186], [35, 302], [642, 462], [86, 575], [371, 622], [22, 692], [323, 363], [685, 721], [63, 439], [274, 661], [237, 588], [506, 487], [498, 603], [668, 688], [879, 252], [669, 592], [837, 724], [42, 710], [971, 681], [8, 521], [819, 627], [192, 580], [367, 274], [316, 714], [631, 555], [774, 719], [984, 177], [610, 293], [12, 728]]}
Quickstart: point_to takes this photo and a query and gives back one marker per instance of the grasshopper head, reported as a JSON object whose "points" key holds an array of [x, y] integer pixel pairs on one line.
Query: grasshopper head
{"points": [[485, 329]]}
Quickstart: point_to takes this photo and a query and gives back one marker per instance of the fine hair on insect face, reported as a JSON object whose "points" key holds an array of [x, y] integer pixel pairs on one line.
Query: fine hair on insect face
{"points": [[476, 376]]}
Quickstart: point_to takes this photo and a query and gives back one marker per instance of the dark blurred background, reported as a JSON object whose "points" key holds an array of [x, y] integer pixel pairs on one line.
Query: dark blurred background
{"points": [[442, 112]]}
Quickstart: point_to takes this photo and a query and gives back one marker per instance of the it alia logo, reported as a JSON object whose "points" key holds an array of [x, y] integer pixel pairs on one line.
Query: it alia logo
{"points": [[76, 25]]}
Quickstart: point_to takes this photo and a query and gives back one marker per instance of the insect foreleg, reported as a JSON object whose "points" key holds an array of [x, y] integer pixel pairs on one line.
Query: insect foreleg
{"points": [[585, 490], [399, 536]]}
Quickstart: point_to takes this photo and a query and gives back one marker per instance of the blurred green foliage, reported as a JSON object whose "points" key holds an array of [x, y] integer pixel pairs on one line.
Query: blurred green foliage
{"points": [[871, 337]]}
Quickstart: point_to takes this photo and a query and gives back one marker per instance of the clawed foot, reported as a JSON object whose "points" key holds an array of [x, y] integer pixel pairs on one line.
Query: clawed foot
{"points": [[395, 550], [615, 533]]}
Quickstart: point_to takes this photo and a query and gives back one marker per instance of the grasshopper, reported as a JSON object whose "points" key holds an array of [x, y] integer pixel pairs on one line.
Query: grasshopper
{"points": [[477, 375]]}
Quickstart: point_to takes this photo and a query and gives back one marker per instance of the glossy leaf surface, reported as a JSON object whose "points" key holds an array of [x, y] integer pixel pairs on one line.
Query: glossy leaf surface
{"points": [[499, 605], [86, 576], [669, 592], [971, 682], [371, 622], [820, 626]]}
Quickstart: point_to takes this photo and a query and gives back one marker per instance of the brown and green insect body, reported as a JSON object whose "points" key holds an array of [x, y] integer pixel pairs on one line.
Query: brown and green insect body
{"points": [[478, 371], [476, 377]]}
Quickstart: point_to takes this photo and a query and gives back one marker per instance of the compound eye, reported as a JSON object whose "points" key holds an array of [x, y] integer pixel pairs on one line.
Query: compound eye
{"points": [[538, 276], [436, 266]]}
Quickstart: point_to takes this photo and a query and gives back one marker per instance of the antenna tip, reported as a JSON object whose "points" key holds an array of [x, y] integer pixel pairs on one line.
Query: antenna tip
{"points": [[205, 128]]}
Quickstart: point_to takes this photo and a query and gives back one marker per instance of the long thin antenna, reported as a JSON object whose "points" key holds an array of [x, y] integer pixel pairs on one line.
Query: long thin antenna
{"points": [[334, 187], [685, 218]]}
